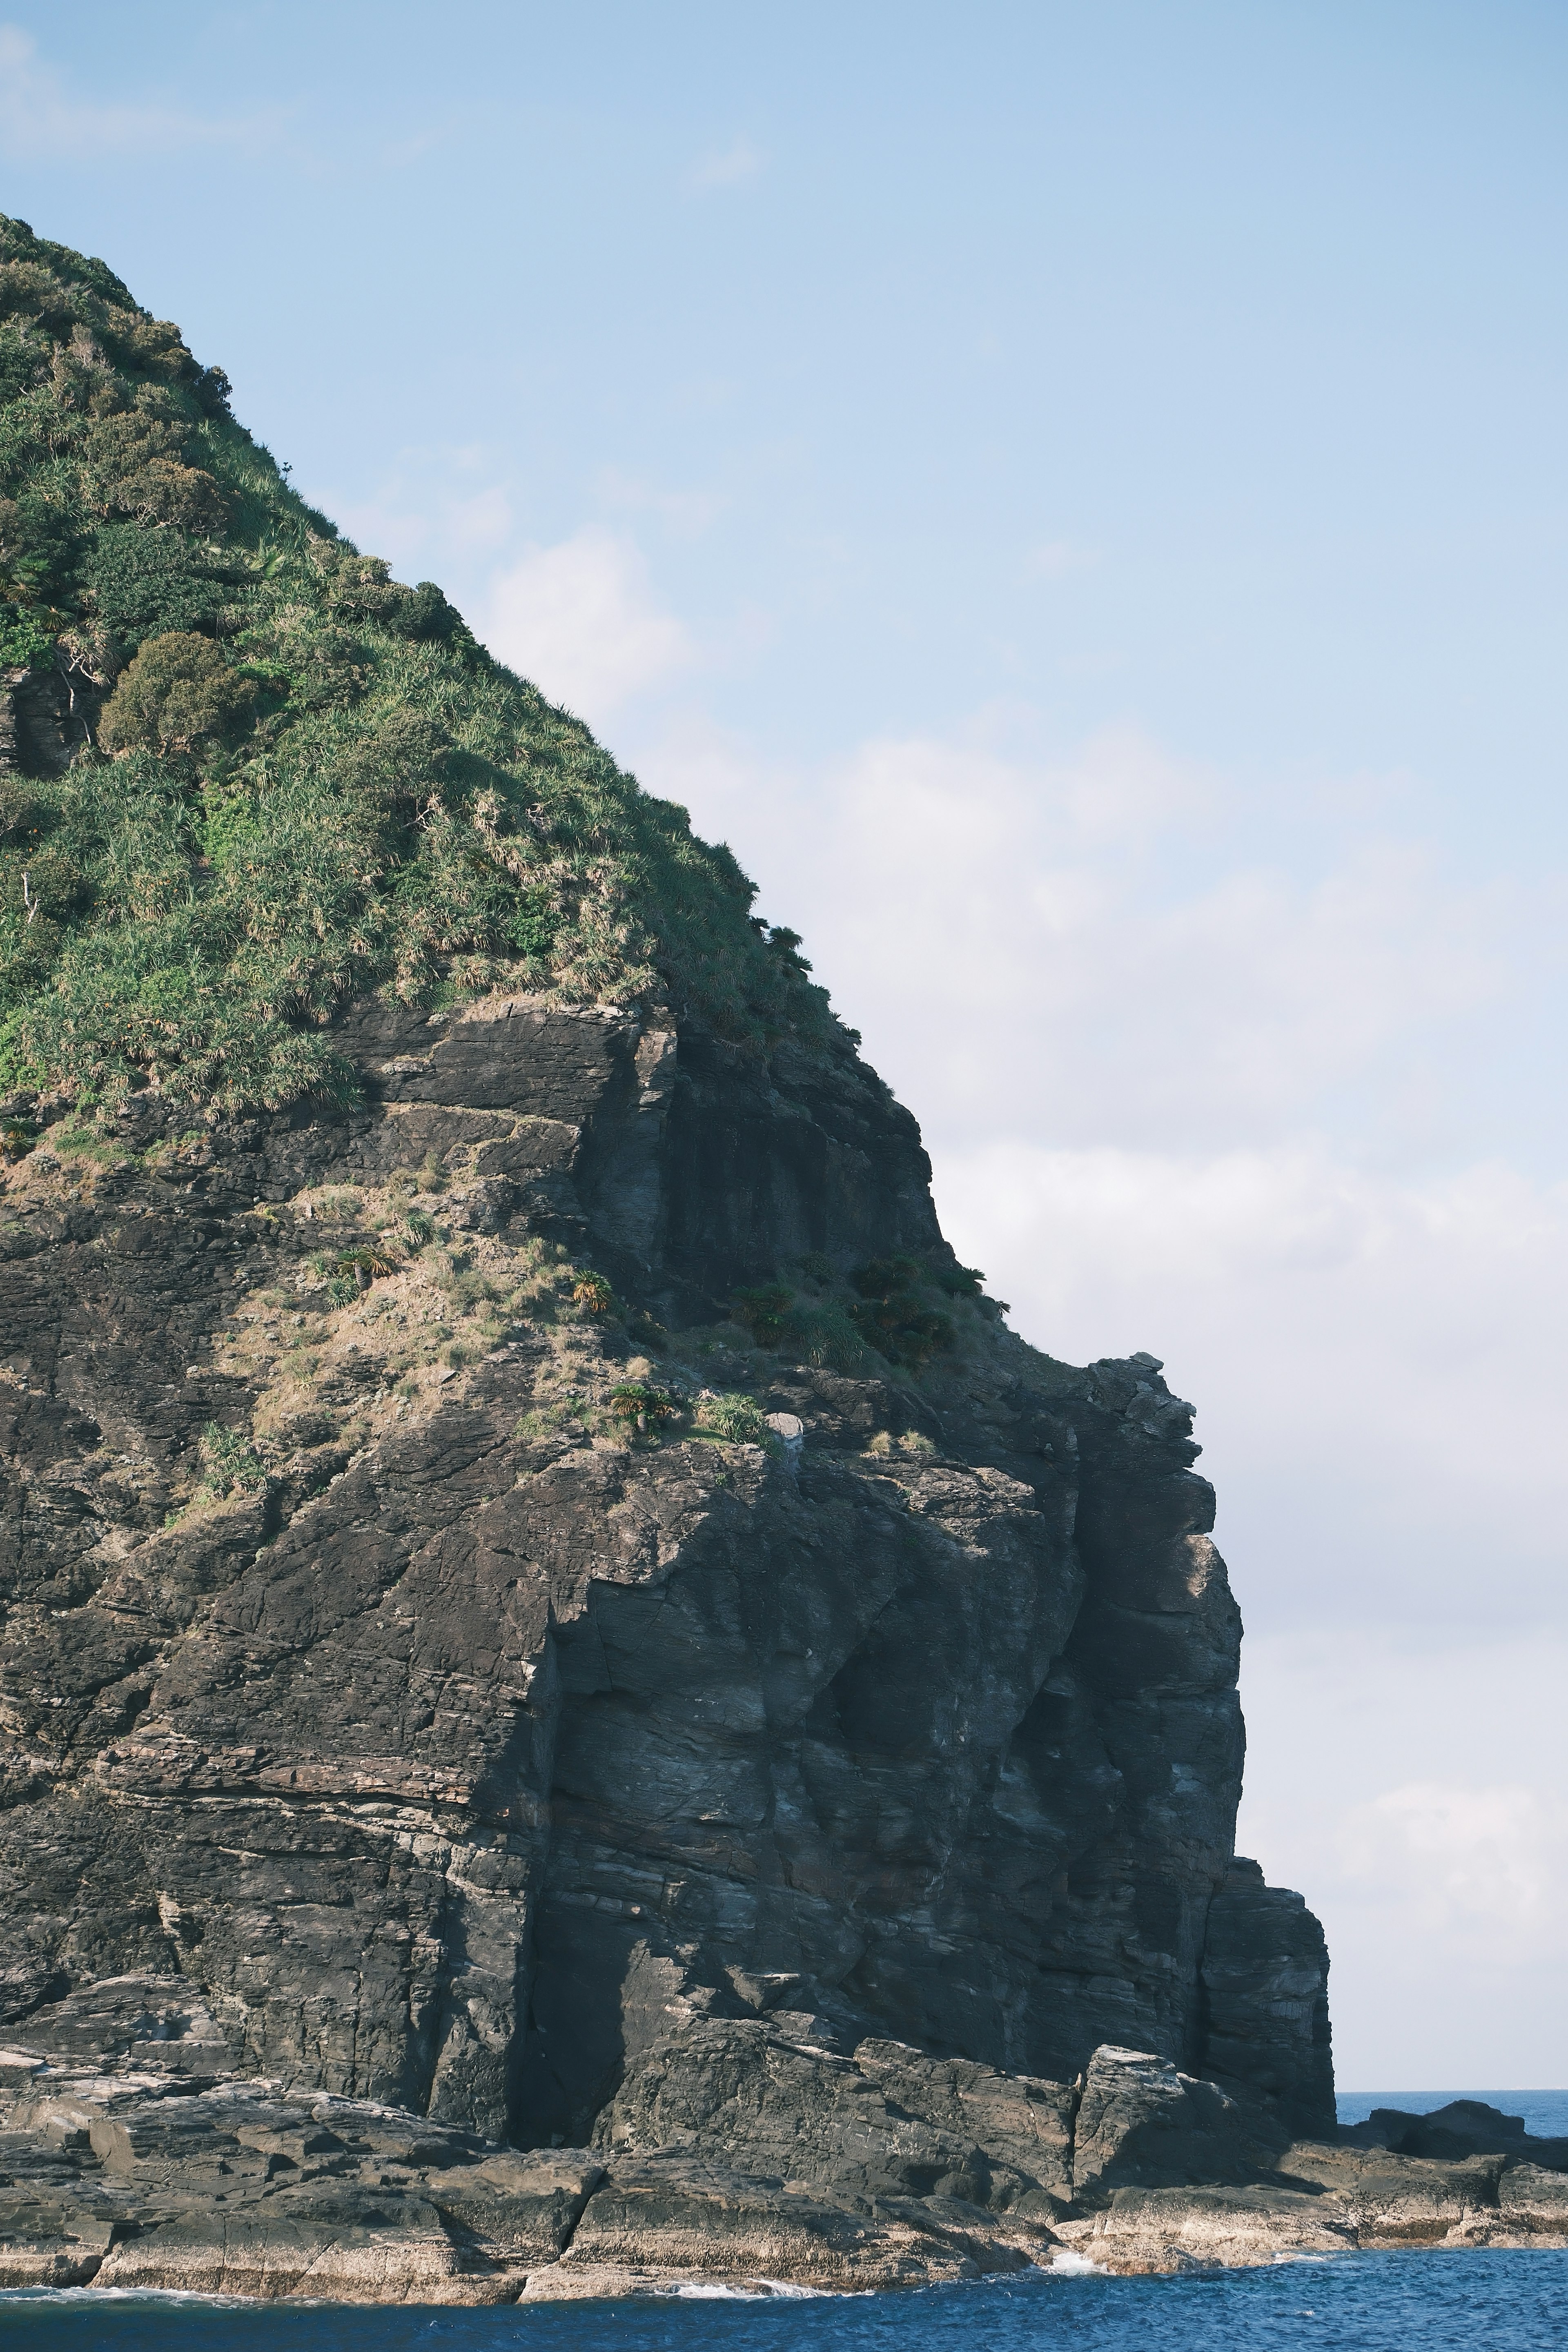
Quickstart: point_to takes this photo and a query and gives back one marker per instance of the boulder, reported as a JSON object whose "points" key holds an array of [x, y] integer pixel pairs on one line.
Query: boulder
{"points": [[888, 2123], [1142, 2124]]}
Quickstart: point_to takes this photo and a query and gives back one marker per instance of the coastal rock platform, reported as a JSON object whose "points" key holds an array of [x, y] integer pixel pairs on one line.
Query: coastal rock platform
{"points": [[745, 2154]]}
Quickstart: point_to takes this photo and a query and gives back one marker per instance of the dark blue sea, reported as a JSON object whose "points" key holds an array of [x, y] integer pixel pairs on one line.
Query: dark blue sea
{"points": [[1473, 2300]]}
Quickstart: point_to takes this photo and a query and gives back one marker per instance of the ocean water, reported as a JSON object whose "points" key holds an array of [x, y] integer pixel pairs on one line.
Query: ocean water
{"points": [[1478, 2301], [1472, 2300]]}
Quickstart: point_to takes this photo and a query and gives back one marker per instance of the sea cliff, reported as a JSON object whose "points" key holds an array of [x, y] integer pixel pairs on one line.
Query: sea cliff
{"points": [[575, 1709], [400, 1740]]}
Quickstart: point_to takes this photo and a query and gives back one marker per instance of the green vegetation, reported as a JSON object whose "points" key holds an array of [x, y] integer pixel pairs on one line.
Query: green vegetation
{"points": [[890, 1316], [593, 1295], [304, 780], [733, 1418], [889, 1313], [637, 1401], [765, 1312], [230, 1465], [178, 693]]}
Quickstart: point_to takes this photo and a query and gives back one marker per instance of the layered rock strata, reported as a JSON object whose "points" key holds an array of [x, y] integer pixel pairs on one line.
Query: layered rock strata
{"points": [[735, 2150], [451, 1746]]}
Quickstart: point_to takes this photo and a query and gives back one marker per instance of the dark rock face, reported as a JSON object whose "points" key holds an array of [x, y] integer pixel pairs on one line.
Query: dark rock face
{"points": [[1462, 2128], [887, 2123], [47, 715], [1265, 1976], [459, 1758]]}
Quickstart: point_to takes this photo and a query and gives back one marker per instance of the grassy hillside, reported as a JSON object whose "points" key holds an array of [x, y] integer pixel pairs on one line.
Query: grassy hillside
{"points": [[286, 778]]}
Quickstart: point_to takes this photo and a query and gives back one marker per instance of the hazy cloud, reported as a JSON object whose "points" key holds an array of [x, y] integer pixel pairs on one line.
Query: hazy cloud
{"points": [[40, 115], [730, 167], [1054, 559], [688, 513], [1066, 937], [1413, 1789], [444, 505], [580, 619], [1490, 1860]]}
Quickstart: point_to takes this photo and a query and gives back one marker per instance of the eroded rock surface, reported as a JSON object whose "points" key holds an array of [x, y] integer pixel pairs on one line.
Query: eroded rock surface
{"points": [[426, 1744], [735, 2150]]}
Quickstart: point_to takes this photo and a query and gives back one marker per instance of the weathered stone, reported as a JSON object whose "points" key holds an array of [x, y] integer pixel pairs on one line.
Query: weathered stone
{"points": [[1155, 2231], [1462, 2127], [460, 1763], [1265, 1972], [677, 2215], [1142, 2124], [885, 2123]]}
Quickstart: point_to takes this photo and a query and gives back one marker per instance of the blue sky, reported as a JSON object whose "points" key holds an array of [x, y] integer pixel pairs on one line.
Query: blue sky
{"points": [[1076, 495]]}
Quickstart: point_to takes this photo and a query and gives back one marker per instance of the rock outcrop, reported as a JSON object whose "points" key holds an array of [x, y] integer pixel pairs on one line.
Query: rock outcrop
{"points": [[441, 1743], [734, 2149]]}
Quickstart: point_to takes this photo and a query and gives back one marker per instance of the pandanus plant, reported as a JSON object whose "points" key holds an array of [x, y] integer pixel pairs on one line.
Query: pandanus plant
{"points": [[635, 1400]]}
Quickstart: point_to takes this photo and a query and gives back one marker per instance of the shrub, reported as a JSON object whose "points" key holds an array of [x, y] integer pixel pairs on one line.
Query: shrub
{"points": [[592, 1294], [230, 1465], [28, 627], [424, 614], [734, 1417], [140, 581], [636, 1400], [960, 1281], [764, 1312], [890, 1314], [824, 1337], [178, 692], [368, 1265]]}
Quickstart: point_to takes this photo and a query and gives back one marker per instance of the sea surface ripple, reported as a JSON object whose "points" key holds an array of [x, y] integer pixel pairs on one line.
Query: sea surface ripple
{"points": [[1472, 2301]]}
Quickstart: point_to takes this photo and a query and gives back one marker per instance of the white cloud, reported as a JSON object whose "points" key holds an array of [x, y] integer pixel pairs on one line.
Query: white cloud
{"points": [[1062, 946], [1375, 1361], [1413, 1789], [728, 167], [1460, 1860], [580, 620], [41, 116]]}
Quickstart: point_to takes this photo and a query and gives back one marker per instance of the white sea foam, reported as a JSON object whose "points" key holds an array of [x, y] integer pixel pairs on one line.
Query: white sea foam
{"points": [[1067, 2263], [760, 2290], [136, 2294]]}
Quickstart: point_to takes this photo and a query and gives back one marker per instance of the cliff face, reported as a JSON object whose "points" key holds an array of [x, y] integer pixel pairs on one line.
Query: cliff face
{"points": [[455, 1745]]}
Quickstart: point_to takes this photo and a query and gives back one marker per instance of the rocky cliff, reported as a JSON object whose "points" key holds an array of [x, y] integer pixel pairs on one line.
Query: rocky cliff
{"points": [[452, 1741], [547, 1627]]}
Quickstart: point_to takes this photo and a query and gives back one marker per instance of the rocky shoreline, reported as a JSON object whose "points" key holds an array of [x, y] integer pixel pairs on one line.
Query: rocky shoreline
{"points": [[747, 2154]]}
